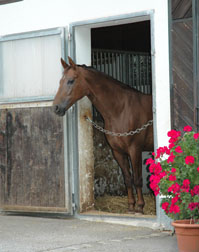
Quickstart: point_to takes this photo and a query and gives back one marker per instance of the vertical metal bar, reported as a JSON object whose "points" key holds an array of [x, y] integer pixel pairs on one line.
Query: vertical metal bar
{"points": [[97, 60], [101, 62], [137, 72], [144, 74], [114, 66], [109, 69], [140, 73], [129, 70], [136, 69], [93, 58], [105, 62], [72, 133], [133, 70], [127, 64], [170, 19], [112, 62], [195, 14], [117, 67], [120, 66], [147, 72], [1, 70]]}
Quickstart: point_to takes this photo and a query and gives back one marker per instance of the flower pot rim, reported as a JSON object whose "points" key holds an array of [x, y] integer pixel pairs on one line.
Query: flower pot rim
{"points": [[184, 223]]}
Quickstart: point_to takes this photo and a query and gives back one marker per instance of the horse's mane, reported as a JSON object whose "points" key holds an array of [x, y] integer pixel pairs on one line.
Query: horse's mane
{"points": [[90, 68]]}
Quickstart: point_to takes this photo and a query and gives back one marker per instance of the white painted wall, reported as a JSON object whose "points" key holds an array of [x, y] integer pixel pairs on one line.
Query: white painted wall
{"points": [[35, 15], [31, 15]]}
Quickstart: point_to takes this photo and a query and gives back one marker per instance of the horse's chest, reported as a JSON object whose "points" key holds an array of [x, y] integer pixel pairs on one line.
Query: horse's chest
{"points": [[118, 143]]}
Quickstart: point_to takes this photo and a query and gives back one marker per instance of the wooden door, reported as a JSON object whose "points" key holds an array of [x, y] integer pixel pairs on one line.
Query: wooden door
{"points": [[184, 87], [33, 174]]}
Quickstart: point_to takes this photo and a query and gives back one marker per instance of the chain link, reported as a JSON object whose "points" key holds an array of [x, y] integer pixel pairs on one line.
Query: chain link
{"points": [[130, 133]]}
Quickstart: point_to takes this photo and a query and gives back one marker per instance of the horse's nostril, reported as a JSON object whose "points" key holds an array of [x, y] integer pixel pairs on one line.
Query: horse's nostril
{"points": [[56, 108]]}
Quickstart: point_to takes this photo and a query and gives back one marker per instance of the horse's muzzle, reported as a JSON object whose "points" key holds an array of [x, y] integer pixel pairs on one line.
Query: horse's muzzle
{"points": [[59, 110]]}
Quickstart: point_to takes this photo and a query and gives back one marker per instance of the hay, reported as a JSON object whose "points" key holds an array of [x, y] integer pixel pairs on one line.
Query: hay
{"points": [[119, 204]]}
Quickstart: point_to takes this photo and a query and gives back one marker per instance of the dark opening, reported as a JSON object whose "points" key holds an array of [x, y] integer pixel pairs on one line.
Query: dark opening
{"points": [[123, 52], [128, 37]]}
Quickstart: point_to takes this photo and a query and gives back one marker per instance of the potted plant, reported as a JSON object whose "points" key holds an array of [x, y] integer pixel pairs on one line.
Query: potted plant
{"points": [[175, 176]]}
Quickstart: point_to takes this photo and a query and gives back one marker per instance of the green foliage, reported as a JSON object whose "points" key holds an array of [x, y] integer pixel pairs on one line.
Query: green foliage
{"points": [[175, 175]]}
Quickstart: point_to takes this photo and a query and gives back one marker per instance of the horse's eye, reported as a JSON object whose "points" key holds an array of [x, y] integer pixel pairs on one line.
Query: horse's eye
{"points": [[70, 82]]}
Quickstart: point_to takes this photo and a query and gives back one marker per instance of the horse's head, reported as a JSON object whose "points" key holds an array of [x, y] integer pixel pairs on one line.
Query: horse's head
{"points": [[70, 89]]}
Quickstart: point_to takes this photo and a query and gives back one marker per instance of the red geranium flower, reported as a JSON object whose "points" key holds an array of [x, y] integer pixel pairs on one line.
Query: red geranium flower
{"points": [[174, 188], [170, 158], [178, 149], [185, 187], [171, 145], [173, 170], [175, 199], [174, 208], [196, 189], [196, 136], [172, 178], [186, 182], [189, 160], [165, 206], [173, 133], [193, 205], [150, 161], [187, 128]]}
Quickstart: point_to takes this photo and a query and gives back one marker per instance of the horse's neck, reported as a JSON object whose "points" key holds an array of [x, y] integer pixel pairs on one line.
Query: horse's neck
{"points": [[105, 95]]}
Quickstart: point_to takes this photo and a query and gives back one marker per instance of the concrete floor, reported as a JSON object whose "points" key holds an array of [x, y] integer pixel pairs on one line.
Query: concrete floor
{"points": [[33, 234]]}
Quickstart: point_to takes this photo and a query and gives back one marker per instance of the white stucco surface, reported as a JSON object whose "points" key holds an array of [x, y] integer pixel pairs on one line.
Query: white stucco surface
{"points": [[31, 15]]}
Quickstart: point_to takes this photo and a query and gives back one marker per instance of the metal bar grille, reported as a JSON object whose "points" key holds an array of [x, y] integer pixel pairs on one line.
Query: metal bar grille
{"points": [[131, 68]]}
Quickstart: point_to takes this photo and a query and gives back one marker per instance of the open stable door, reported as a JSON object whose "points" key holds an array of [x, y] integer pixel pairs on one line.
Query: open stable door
{"points": [[34, 167]]}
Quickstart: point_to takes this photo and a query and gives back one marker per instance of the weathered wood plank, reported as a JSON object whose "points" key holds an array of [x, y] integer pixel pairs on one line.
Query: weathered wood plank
{"points": [[184, 31], [184, 90], [181, 9], [182, 113], [179, 66], [182, 67], [32, 158]]}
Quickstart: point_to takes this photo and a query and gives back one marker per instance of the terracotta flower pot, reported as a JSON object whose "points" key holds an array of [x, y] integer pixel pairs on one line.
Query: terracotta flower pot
{"points": [[187, 235]]}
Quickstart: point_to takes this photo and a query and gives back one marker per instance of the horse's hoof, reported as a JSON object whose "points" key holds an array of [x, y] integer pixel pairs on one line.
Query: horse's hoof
{"points": [[139, 211], [131, 209]]}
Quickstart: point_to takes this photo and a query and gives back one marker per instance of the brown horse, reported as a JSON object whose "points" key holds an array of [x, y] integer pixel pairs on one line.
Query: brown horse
{"points": [[123, 109]]}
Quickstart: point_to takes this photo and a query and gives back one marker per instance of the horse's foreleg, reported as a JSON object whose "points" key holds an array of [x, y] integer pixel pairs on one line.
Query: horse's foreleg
{"points": [[123, 162], [136, 160]]}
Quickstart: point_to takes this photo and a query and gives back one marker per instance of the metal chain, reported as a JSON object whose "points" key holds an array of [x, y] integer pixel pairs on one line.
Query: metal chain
{"points": [[130, 133]]}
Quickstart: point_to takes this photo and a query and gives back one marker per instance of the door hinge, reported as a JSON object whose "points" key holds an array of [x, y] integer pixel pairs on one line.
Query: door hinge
{"points": [[153, 53], [74, 207], [69, 36], [197, 117]]}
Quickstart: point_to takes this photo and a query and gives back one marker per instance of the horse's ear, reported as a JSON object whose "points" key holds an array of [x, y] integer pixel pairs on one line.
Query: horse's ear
{"points": [[64, 64], [71, 62]]}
